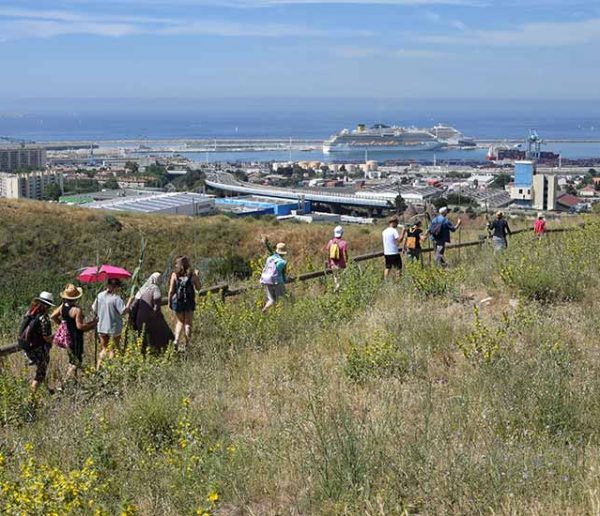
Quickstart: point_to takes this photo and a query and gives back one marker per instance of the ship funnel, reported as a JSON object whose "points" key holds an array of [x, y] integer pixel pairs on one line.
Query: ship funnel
{"points": [[360, 128]]}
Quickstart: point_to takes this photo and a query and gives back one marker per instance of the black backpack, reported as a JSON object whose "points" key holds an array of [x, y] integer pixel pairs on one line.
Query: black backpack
{"points": [[184, 294], [25, 329]]}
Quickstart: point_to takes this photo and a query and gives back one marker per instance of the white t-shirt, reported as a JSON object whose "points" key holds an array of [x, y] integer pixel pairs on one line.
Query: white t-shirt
{"points": [[110, 309], [390, 241]]}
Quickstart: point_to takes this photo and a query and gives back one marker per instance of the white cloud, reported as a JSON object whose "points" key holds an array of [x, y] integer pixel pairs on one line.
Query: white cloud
{"points": [[363, 52], [270, 3], [546, 34], [18, 23]]}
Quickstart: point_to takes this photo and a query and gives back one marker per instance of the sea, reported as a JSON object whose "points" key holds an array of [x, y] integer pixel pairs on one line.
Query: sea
{"points": [[102, 120]]}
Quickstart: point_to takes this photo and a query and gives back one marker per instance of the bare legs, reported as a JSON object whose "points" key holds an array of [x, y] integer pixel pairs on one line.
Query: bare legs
{"points": [[108, 350], [183, 324]]}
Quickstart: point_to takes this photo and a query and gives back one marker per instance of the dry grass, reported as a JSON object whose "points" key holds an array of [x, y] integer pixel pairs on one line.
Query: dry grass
{"points": [[513, 431]]}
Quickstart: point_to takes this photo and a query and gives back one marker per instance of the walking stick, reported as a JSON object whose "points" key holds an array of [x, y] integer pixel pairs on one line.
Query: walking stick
{"points": [[135, 282], [459, 241]]}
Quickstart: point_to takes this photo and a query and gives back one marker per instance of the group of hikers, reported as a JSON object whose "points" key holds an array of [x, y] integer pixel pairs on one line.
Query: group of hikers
{"points": [[144, 309]]}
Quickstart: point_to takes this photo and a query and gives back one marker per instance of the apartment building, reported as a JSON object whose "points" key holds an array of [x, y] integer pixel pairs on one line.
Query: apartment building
{"points": [[22, 157], [28, 185]]}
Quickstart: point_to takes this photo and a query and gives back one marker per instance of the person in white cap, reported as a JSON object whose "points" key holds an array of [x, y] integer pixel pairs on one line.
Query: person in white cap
{"points": [[273, 276], [35, 338], [439, 231], [337, 255]]}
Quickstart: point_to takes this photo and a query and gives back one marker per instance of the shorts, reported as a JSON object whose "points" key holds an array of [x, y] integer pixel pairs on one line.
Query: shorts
{"points": [[274, 292], [393, 261], [413, 254], [182, 308], [499, 243], [39, 357]]}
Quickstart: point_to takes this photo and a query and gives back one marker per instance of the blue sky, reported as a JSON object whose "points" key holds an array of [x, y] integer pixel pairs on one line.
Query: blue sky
{"points": [[300, 48]]}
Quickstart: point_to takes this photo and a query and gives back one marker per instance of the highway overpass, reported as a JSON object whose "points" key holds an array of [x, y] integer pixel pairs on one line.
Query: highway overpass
{"points": [[225, 182]]}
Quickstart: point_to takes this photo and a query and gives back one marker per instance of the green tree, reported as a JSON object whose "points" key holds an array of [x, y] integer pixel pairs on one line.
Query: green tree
{"points": [[570, 189], [111, 184], [52, 192], [132, 167], [501, 180], [399, 205]]}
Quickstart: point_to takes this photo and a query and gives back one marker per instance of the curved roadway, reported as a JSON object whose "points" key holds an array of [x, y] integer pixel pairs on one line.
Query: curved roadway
{"points": [[226, 182]]}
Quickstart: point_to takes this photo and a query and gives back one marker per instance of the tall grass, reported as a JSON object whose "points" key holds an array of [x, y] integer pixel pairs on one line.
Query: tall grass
{"points": [[408, 396]]}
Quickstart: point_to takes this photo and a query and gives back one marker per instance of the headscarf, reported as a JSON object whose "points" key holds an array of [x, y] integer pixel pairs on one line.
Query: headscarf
{"points": [[151, 286]]}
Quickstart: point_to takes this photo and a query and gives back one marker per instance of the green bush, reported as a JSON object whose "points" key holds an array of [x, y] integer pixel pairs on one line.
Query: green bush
{"points": [[378, 358]]}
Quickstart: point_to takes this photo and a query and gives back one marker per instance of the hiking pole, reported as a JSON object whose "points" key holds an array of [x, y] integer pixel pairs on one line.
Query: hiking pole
{"points": [[459, 241], [135, 284]]}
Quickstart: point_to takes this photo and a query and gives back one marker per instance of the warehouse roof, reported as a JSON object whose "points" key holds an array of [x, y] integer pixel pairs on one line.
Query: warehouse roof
{"points": [[151, 203]]}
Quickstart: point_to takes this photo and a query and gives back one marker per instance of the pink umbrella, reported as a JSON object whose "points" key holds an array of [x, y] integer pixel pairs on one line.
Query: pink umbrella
{"points": [[103, 273]]}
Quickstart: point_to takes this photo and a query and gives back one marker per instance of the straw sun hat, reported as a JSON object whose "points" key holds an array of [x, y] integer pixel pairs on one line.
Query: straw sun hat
{"points": [[280, 248], [71, 292]]}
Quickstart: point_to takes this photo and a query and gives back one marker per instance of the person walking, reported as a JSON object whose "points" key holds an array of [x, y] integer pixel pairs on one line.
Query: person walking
{"points": [[391, 247], [183, 285], [337, 255], [500, 231], [147, 316], [414, 237], [110, 309], [539, 226], [439, 231], [72, 316], [274, 274], [35, 338]]}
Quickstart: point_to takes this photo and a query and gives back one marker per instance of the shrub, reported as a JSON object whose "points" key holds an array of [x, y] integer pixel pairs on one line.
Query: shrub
{"points": [[434, 281], [545, 271], [38, 488], [380, 357]]}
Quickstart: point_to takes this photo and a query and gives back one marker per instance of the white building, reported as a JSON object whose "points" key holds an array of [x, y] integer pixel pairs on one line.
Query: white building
{"points": [[545, 192], [28, 185]]}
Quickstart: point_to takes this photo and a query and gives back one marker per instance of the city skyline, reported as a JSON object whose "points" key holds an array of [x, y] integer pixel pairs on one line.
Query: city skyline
{"points": [[299, 48]]}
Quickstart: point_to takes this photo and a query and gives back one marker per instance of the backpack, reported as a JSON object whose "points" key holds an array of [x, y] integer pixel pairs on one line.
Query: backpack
{"points": [[435, 228], [334, 251], [270, 274], [62, 337], [184, 293], [24, 338], [411, 242]]}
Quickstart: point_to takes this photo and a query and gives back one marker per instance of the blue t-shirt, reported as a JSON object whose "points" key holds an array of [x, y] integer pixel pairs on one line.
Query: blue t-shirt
{"points": [[446, 228]]}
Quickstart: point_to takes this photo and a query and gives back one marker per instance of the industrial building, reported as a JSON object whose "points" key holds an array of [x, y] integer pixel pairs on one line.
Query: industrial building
{"points": [[522, 189], [28, 185], [180, 203], [252, 205], [22, 157], [531, 189]]}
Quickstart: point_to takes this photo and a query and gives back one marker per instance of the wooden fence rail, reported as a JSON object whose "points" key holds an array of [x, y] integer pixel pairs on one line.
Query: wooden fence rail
{"points": [[225, 290]]}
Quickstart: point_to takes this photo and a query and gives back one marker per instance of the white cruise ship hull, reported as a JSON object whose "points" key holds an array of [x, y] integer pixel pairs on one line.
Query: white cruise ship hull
{"points": [[417, 147]]}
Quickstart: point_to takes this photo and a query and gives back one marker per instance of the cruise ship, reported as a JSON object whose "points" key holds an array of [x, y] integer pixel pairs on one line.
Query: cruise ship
{"points": [[384, 138]]}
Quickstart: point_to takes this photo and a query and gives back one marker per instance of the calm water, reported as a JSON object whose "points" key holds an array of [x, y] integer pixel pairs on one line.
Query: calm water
{"points": [[297, 118]]}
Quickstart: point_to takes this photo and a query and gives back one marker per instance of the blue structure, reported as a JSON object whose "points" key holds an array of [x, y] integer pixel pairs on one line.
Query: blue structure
{"points": [[524, 172], [256, 206]]}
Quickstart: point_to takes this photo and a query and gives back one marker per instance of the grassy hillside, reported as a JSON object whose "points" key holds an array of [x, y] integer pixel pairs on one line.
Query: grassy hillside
{"points": [[42, 245], [419, 396]]}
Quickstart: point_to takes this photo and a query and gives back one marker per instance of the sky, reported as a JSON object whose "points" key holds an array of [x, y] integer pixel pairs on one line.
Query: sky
{"points": [[441, 49]]}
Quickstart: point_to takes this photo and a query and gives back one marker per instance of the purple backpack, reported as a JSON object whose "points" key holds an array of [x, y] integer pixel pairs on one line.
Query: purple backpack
{"points": [[270, 274], [62, 337]]}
